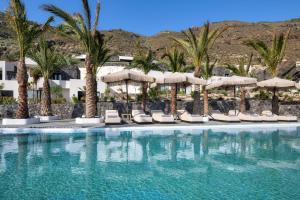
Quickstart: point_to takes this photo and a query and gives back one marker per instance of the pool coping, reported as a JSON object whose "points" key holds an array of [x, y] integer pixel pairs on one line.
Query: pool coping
{"points": [[214, 127]]}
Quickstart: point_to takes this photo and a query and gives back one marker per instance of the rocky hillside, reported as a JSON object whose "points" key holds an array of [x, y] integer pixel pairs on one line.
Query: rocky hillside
{"points": [[228, 48]]}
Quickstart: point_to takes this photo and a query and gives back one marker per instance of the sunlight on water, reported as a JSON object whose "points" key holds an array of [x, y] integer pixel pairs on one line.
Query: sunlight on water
{"points": [[168, 164]]}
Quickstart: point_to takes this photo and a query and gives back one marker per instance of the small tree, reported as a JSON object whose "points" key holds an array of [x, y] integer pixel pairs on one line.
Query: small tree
{"points": [[175, 62], [145, 63], [241, 70], [272, 57], [196, 48], [207, 72], [49, 61]]}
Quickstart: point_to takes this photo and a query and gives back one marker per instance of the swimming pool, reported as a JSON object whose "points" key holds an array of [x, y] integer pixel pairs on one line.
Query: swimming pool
{"points": [[152, 164]]}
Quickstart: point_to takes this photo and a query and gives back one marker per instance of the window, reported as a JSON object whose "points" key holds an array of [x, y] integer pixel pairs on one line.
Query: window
{"points": [[57, 76]]}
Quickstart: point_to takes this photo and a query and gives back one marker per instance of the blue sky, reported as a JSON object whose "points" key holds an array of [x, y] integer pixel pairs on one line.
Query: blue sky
{"points": [[149, 17]]}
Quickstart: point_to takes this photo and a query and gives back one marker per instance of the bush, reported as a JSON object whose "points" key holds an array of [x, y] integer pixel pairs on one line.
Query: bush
{"points": [[153, 93], [7, 100], [263, 95], [75, 99], [59, 100], [139, 97]]}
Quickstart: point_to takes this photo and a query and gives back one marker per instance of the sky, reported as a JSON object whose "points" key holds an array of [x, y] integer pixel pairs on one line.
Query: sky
{"points": [[149, 17]]}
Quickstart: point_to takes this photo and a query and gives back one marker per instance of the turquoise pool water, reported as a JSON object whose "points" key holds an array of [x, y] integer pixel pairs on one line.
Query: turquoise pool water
{"points": [[150, 164]]}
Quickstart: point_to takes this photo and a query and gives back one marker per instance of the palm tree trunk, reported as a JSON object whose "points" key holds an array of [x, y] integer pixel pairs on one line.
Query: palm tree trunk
{"points": [[144, 95], [91, 95], [206, 102], [46, 99], [196, 104], [275, 103], [22, 78], [174, 99], [243, 101]]}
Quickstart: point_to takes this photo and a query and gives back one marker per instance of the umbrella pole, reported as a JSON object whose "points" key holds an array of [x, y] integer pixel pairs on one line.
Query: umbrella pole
{"points": [[127, 96], [234, 94]]}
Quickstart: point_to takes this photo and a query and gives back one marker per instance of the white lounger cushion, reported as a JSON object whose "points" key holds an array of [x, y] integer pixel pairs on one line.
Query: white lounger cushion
{"points": [[159, 116], [250, 117], [187, 117], [287, 118], [216, 115], [112, 117], [140, 117], [268, 116]]}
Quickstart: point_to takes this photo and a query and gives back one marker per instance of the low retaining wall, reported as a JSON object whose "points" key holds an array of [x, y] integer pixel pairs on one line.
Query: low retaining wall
{"points": [[68, 110]]}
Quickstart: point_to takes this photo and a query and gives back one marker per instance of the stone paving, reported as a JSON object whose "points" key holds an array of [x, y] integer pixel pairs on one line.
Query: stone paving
{"points": [[71, 124]]}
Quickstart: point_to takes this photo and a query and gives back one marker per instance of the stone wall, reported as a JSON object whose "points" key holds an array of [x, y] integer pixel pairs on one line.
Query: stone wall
{"points": [[68, 110]]}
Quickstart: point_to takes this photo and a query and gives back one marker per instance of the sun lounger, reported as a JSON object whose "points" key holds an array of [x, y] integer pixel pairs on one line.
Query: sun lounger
{"points": [[218, 116], [268, 116], [112, 117], [287, 118], [160, 117], [183, 115], [250, 117], [140, 117]]}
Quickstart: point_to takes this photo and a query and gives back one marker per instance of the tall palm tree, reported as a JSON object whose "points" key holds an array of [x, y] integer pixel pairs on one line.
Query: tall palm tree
{"points": [[175, 62], [48, 61], [80, 28], [272, 57], [26, 33], [241, 70], [207, 72], [196, 48], [145, 63]]}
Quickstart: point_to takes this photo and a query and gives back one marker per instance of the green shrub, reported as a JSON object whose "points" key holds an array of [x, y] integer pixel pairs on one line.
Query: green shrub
{"points": [[75, 99], [7, 100], [193, 94], [59, 100], [139, 97], [262, 95], [154, 93]]}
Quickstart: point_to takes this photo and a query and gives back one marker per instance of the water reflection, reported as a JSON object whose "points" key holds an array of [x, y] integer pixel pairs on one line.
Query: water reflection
{"points": [[94, 159]]}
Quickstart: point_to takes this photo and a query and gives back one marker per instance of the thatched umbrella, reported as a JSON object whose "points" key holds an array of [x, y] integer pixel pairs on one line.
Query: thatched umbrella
{"points": [[274, 85], [233, 81], [127, 75], [178, 78]]}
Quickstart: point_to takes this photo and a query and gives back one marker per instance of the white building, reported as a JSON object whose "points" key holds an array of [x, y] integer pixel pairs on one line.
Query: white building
{"points": [[70, 87]]}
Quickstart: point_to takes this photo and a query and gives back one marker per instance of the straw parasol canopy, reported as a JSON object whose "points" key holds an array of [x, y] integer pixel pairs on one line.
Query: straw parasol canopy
{"points": [[277, 83], [298, 85], [126, 75], [179, 78], [232, 81]]}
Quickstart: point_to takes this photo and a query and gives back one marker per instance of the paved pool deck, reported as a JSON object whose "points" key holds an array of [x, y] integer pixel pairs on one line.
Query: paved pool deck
{"points": [[70, 124]]}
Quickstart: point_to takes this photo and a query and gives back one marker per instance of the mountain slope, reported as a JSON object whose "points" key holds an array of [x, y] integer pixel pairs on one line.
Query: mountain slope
{"points": [[227, 48]]}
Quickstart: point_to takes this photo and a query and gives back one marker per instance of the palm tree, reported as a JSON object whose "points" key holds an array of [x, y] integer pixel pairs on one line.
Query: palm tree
{"points": [[196, 48], [272, 57], [48, 61], [175, 62], [145, 63], [207, 72], [241, 70], [80, 28], [26, 33], [35, 73]]}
